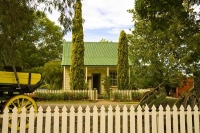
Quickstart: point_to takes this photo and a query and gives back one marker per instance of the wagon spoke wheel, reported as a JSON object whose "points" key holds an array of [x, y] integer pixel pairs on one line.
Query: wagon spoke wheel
{"points": [[191, 99], [20, 101]]}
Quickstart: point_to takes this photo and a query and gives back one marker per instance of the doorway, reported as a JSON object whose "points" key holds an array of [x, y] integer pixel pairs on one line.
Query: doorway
{"points": [[96, 82]]}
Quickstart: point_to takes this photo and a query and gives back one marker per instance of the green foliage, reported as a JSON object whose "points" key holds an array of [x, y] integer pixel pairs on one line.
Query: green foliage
{"points": [[122, 65], [64, 96], [18, 30], [41, 44], [160, 50], [53, 74], [107, 85], [119, 97], [77, 73], [136, 96]]}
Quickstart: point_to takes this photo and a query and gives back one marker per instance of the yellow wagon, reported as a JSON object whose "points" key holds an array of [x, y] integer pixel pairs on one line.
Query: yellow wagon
{"points": [[12, 91]]}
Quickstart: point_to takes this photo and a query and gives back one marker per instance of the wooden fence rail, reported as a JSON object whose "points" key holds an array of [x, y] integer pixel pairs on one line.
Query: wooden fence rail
{"points": [[102, 120]]}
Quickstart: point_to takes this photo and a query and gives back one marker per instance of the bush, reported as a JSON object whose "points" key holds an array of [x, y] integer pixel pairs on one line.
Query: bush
{"points": [[68, 96], [136, 96]]}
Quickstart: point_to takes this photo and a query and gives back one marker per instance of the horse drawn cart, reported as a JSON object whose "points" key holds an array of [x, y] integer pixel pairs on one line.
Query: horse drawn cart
{"points": [[187, 93], [14, 85]]}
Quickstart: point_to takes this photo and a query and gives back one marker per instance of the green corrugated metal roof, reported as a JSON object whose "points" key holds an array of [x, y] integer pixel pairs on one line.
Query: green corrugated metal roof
{"points": [[96, 53]]}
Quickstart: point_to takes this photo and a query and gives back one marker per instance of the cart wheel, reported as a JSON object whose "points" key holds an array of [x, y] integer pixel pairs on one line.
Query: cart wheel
{"points": [[192, 100], [20, 101]]}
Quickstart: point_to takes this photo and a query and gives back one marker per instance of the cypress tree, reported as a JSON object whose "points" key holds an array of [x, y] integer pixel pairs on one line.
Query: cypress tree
{"points": [[122, 65], [77, 75]]}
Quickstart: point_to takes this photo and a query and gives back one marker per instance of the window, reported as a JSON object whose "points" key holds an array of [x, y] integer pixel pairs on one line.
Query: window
{"points": [[113, 78]]}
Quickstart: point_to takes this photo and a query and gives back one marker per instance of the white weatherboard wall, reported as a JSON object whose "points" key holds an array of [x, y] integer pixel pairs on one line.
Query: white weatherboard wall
{"points": [[103, 120]]}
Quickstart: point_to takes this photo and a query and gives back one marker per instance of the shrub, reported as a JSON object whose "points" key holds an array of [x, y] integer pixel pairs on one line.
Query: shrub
{"points": [[136, 96], [68, 96]]}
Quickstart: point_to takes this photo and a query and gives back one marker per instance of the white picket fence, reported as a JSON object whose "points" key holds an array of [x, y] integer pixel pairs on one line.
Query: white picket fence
{"points": [[103, 120], [92, 94], [127, 93]]}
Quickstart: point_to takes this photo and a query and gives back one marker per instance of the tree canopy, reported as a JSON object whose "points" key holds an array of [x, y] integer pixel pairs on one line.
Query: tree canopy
{"points": [[164, 41], [122, 64], [18, 17], [77, 73]]}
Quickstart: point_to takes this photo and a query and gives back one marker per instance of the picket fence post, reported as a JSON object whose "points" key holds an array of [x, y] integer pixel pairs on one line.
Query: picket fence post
{"points": [[125, 119], [5, 120], [117, 119], [182, 119], [154, 117], [146, 117], [72, 120], [189, 119], [95, 119], [132, 118], [80, 120], [31, 120], [14, 119], [87, 119], [64, 120], [23, 120], [40, 120], [196, 120], [139, 119], [56, 120], [110, 119], [168, 119], [48, 120], [175, 120]]}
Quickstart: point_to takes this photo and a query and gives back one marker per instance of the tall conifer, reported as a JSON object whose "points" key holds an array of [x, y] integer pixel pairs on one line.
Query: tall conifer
{"points": [[122, 65], [77, 74]]}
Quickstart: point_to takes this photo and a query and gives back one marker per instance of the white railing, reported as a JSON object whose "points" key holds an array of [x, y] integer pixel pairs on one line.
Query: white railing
{"points": [[102, 120], [92, 94], [127, 93]]}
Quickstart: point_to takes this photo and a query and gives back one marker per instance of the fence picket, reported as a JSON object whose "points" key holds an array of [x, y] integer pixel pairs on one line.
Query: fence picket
{"points": [[168, 120], [132, 119], [196, 120], [110, 119], [154, 122], [189, 119], [14, 120], [72, 119], [139, 120], [5, 120], [31, 120], [80, 120], [64, 120], [125, 119], [48, 120], [95, 119], [117, 119], [23, 120], [56, 120], [39, 120], [146, 119], [175, 120], [102, 120], [87, 119], [160, 121], [182, 119]]}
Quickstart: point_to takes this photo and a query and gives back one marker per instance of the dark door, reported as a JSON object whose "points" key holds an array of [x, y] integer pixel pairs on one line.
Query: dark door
{"points": [[96, 82]]}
